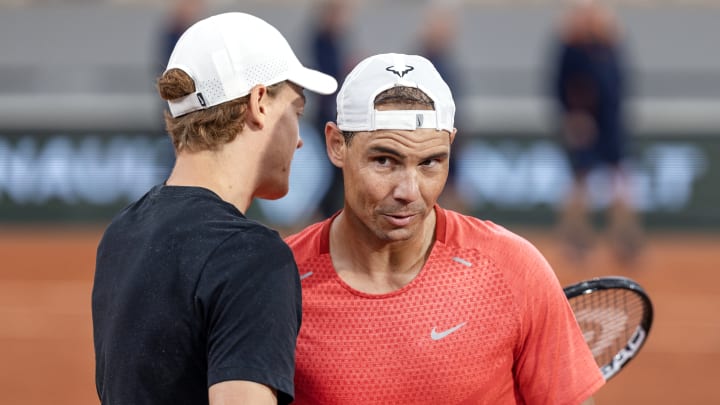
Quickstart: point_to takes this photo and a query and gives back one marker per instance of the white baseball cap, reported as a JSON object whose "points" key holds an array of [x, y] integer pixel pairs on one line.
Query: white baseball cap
{"points": [[356, 98], [228, 54]]}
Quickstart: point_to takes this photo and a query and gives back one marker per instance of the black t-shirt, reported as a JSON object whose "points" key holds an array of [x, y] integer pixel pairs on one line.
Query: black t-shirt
{"points": [[188, 293]]}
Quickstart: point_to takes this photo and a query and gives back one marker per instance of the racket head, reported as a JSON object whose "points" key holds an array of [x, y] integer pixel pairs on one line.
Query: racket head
{"points": [[615, 315]]}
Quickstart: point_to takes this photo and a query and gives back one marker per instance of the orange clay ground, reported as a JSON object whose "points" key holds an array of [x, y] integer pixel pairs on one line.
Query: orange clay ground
{"points": [[46, 352]]}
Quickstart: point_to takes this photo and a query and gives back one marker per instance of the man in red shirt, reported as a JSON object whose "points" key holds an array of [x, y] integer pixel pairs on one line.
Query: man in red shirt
{"points": [[407, 303]]}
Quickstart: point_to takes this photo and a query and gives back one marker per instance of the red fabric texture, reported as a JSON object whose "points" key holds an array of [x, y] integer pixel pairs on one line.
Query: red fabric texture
{"points": [[484, 322]]}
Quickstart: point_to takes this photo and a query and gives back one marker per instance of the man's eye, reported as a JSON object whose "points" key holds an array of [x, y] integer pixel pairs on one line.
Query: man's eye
{"points": [[383, 161]]}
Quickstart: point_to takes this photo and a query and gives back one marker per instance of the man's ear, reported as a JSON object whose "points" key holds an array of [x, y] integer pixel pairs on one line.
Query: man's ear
{"points": [[335, 144], [452, 135], [255, 115]]}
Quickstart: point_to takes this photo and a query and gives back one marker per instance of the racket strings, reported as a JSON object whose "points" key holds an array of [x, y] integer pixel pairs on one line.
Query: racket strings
{"points": [[608, 320]]}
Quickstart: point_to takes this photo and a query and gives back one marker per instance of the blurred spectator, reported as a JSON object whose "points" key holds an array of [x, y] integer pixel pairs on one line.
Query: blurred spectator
{"points": [[590, 80], [183, 14], [436, 42], [329, 55]]}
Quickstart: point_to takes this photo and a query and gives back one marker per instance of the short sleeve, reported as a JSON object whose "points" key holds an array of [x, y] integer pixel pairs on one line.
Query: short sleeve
{"points": [[250, 300], [553, 363]]}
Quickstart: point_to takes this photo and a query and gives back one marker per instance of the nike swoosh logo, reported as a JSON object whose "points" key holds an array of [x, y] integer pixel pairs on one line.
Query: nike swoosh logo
{"points": [[462, 261], [435, 335], [306, 275]]}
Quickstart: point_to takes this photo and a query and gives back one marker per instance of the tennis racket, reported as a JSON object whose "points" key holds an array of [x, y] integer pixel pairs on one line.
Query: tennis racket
{"points": [[615, 315]]}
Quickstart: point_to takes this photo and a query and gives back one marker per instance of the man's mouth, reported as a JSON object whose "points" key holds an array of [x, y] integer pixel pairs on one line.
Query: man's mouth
{"points": [[399, 219]]}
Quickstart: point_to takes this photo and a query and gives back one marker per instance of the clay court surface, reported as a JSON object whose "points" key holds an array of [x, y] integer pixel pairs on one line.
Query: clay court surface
{"points": [[46, 352]]}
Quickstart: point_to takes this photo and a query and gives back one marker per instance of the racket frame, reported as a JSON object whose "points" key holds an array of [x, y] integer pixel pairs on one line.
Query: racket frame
{"points": [[638, 338]]}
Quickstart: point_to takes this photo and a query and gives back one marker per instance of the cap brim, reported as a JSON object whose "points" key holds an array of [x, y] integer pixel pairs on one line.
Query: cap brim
{"points": [[313, 80]]}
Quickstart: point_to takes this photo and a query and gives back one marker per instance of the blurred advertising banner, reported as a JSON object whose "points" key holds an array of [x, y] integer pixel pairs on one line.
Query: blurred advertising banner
{"points": [[86, 176], [524, 179]]}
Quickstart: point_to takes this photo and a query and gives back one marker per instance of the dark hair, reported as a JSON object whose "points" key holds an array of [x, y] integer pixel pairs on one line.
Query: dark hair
{"points": [[204, 129], [399, 96], [405, 96]]}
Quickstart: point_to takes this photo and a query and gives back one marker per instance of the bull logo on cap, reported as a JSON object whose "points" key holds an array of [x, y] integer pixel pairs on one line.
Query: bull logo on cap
{"points": [[400, 70]]}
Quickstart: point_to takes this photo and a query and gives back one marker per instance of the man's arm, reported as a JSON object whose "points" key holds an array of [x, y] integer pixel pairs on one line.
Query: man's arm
{"points": [[250, 297], [241, 392]]}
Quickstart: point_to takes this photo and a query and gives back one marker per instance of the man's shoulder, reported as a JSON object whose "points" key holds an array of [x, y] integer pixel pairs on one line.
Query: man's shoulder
{"points": [[308, 234], [310, 241], [192, 220], [466, 231], [461, 226], [176, 204]]}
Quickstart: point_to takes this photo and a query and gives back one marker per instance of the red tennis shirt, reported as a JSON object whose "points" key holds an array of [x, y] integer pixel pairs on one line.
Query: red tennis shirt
{"points": [[484, 322]]}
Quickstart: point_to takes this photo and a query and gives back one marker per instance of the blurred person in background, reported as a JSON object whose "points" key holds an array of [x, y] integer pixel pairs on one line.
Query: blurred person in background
{"points": [[182, 14], [192, 302], [436, 42], [330, 55], [405, 302], [590, 88]]}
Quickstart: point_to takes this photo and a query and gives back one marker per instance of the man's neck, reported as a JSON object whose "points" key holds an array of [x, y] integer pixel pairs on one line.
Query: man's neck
{"points": [[376, 266], [231, 179]]}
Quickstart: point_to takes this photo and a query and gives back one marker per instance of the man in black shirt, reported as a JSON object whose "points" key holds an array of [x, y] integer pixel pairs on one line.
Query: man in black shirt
{"points": [[192, 302]]}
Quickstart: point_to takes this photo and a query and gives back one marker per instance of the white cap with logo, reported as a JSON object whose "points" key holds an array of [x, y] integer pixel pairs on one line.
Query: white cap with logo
{"points": [[356, 98], [228, 54]]}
